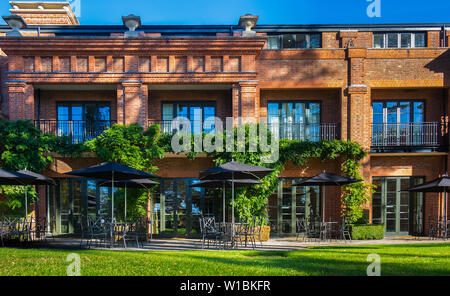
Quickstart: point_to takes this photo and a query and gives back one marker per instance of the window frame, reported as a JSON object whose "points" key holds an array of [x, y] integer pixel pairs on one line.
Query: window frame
{"points": [[308, 36], [293, 102], [411, 111], [399, 40], [83, 104]]}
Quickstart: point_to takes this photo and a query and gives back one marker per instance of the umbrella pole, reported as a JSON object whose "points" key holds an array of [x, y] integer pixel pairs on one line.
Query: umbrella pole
{"points": [[112, 211], [323, 204], [125, 206], [232, 204], [445, 211], [26, 202], [112, 199], [223, 203]]}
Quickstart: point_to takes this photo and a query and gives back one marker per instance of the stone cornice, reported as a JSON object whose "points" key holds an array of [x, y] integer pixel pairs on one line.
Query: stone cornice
{"points": [[145, 78], [135, 46]]}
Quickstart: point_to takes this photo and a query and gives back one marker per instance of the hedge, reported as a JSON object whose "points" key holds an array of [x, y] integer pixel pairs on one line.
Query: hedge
{"points": [[367, 232]]}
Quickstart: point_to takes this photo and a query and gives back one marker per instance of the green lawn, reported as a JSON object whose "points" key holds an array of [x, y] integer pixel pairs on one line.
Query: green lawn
{"points": [[420, 259]]}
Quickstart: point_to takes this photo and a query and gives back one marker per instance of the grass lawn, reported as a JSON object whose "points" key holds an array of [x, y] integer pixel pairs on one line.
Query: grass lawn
{"points": [[417, 259]]}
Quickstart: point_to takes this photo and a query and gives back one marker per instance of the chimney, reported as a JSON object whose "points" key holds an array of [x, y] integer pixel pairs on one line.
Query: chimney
{"points": [[44, 12]]}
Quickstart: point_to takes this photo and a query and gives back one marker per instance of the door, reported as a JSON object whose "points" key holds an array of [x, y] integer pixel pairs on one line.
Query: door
{"points": [[300, 202], [400, 211]]}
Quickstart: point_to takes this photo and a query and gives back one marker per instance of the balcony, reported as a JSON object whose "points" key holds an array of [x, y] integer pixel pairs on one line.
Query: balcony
{"points": [[76, 131], [313, 132], [406, 137]]}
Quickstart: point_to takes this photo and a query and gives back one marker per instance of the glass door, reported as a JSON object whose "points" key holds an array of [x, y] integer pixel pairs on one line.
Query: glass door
{"points": [[400, 211], [301, 202]]}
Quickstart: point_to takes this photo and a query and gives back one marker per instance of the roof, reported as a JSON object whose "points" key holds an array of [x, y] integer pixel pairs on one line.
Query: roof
{"points": [[211, 30]]}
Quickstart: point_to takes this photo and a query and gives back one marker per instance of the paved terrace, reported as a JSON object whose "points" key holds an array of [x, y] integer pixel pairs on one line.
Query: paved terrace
{"points": [[275, 244]]}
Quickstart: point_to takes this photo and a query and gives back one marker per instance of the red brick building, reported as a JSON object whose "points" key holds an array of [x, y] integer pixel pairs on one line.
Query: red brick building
{"points": [[384, 86]]}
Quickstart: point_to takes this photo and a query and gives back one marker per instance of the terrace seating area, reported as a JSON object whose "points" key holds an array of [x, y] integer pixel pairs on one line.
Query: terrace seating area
{"points": [[321, 231]]}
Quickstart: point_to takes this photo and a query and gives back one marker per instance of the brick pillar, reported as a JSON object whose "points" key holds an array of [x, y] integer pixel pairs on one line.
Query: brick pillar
{"points": [[120, 104], [21, 100], [249, 100], [133, 97], [360, 110], [236, 101]]}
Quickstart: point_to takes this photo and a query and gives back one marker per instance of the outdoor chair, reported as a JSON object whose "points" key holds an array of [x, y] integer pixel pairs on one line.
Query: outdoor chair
{"points": [[312, 229], [252, 232], [301, 228], [447, 230], [242, 232], [325, 231], [346, 229], [131, 231], [209, 232], [98, 231], [433, 229]]}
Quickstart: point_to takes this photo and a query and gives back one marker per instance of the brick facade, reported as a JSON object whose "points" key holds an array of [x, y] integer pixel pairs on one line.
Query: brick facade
{"points": [[346, 75]]}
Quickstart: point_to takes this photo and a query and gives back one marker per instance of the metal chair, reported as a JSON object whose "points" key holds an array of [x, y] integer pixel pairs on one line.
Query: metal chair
{"points": [[301, 228], [209, 231], [346, 229], [433, 229], [98, 230]]}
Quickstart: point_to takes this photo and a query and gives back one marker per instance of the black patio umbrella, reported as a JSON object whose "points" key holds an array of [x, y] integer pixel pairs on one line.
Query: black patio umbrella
{"points": [[225, 183], [326, 179], [111, 171], [437, 185], [234, 171], [38, 180], [13, 178], [133, 183]]}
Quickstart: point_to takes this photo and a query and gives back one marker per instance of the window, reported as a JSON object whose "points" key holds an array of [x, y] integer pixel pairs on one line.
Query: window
{"points": [[398, 111], [297, 120], [200, 114], [294, 41], [82, 121], [398, 40]]}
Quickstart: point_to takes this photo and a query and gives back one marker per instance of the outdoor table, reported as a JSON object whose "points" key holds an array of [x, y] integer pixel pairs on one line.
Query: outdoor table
{"points": [[229, 235], [328, 227]]}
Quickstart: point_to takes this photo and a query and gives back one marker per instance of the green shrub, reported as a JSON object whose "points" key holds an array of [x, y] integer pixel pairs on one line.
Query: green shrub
{"points": [[367, 232]]}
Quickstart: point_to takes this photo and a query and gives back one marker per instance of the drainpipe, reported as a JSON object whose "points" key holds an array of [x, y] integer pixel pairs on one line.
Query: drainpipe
{"points": [[444, 37]]}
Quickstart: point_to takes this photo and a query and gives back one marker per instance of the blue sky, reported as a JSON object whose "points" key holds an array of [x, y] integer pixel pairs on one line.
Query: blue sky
{"points": [[269, 11]]}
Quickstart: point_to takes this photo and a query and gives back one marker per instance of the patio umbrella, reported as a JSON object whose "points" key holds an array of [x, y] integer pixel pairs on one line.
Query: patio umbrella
{"points": [[326, 179], [133, 183], [13, 178], [38, 180], [437, 185], [224, 183], [234, 171], [16, 178], [111, 171]]}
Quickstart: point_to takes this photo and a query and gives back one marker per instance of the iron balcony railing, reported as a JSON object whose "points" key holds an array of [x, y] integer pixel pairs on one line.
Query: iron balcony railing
{"points": [[298, 131], [411, 134], [197, 126], [76, 131], [313, 132]]}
